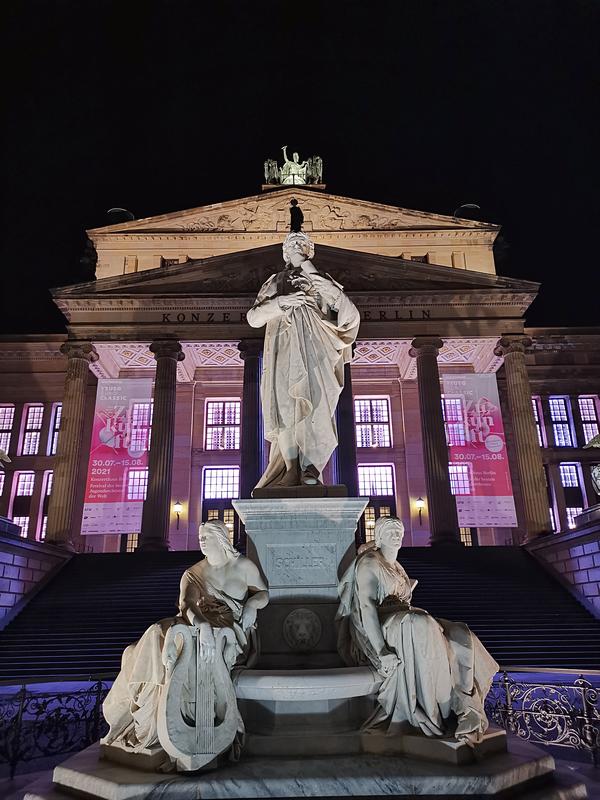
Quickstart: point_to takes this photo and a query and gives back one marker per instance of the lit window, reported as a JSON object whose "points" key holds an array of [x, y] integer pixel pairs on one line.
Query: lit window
{"points": [[569, 475], [375, 480], [49, 482], [132, 541], [454, 420], [137, 484], [34, 414], [535, 404], [54, 428], [561, 426], [2, 477], [223, 424], [226, 515], [141, 427], [460, 479], [552, 519], [572, 512], [369, 523], [465, 537], [372, 418], [25, 482], [588, 410], [221, 482], [44, 527], [7, 417], [23, 523]]}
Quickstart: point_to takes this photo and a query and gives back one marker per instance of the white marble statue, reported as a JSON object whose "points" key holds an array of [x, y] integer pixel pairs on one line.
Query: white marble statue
{"points": [[311, 325], [174, 690], [294, 171], [433, 670]]}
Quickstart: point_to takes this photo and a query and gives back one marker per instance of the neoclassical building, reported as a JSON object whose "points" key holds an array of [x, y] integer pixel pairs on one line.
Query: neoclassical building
{"points": [[162, 335]]}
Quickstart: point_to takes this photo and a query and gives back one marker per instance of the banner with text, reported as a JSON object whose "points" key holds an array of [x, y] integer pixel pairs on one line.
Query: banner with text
{"points": [[117, 471], [479, 468]]}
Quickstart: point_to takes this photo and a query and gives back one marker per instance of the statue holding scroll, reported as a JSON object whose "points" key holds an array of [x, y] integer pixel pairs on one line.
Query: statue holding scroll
{"points": [[433, 670], [174, 690], [311, 325]]}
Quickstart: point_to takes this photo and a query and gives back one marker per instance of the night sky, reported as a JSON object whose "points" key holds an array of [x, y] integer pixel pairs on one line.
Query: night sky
{"points": [[164, 106]]}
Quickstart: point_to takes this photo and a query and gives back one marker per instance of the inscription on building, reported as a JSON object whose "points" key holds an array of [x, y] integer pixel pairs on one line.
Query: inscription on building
{"points": [[309, 564], [220, 317]]}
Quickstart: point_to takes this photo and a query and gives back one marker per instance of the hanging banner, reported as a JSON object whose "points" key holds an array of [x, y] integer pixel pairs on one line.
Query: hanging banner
{"points": [[477, 452], [116, 476]]}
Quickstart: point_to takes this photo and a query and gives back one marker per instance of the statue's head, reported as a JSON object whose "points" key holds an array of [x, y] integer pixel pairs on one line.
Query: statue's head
{"points": [[214, 539], [296, 157], [389, 531], [297, 247]]}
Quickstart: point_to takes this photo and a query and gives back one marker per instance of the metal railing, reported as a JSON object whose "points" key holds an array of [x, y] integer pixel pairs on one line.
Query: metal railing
{"points": [[36, 725], [557, 714]]}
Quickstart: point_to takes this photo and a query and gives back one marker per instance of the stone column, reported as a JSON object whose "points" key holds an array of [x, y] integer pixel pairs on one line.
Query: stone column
{"points": [[61, 523], [157, 506], [443, 519], [529, 457], [251, 445], [346, 466], [558, 494]]}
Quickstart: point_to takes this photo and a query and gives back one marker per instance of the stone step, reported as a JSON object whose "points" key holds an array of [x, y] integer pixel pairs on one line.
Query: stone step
{"points": [[517, 772]]}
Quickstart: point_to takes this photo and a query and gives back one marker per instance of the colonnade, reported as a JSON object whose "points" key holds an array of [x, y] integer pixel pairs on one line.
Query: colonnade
{"points": [[167, 352]]}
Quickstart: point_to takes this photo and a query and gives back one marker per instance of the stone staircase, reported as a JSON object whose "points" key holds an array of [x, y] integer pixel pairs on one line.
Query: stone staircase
{"points": [[78, 626]]}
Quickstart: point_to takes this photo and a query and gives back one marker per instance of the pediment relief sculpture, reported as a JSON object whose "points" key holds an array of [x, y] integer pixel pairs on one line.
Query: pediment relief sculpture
{"points": [[269, 213]]}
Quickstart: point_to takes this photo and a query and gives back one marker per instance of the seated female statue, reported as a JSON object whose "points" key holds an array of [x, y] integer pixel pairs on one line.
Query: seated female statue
{"points": [[185, 661], [436, 674]]}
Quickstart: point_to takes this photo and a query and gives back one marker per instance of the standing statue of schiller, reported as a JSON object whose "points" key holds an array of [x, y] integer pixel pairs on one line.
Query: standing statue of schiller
{"points": [[311, 326]]}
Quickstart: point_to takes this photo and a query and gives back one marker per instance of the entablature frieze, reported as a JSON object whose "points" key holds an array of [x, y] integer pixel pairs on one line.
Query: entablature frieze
{"points": [[122, 359], [203, 238], [373, 306]]}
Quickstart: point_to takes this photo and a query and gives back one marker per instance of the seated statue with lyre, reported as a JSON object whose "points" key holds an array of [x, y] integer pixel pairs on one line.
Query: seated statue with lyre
{"points": [[174, 691]]}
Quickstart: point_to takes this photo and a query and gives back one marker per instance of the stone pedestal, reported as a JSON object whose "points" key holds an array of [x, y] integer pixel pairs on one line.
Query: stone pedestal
{"points": [[588, 516], [524, 772], [302, 546]]}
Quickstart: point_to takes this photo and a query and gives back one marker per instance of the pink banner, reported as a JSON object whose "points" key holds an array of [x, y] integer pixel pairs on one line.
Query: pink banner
{"points": [[479, 469], [117, 477]]}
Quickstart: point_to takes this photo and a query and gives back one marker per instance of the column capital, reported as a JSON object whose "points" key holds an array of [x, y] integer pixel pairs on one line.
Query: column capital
{"points": [[512, 343], [83, 350], [167, 348], [425, 345], [250, 348]]}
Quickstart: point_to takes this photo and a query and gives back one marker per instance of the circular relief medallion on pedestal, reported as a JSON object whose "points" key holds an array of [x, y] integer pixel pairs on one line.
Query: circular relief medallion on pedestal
{"points": [[302, 630]]}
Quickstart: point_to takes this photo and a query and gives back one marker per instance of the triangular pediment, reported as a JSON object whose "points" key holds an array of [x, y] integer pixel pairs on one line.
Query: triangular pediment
{"points": [[243, 273], [269, 212]]}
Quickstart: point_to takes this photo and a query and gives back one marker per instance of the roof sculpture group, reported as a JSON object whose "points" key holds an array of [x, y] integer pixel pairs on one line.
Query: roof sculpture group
{"points": [[294, 172]]}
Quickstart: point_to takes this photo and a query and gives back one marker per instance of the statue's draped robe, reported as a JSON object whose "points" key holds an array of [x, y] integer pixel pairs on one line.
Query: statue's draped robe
{"points": [[305, 351], [444, 667], [131, 705]]}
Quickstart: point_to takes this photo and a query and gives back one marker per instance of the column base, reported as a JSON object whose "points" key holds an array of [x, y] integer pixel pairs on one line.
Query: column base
{"points": [[69, 546], [446, 541], [152, 546]]}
